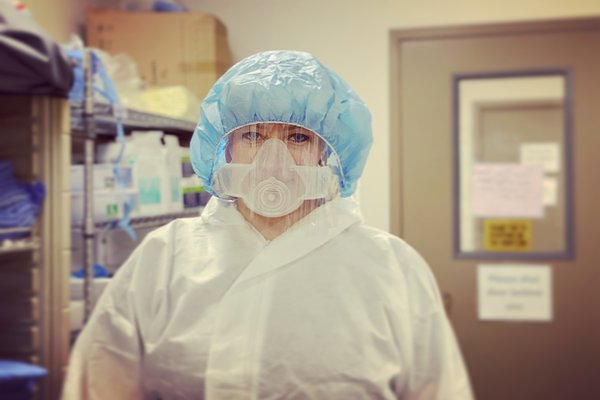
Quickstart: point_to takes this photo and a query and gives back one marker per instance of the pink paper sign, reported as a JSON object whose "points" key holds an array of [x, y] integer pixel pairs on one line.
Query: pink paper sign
{"points": [[508, 190]]}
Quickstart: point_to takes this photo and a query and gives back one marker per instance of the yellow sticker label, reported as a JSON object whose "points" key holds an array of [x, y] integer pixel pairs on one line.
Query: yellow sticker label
{"points": [[507, 235]]}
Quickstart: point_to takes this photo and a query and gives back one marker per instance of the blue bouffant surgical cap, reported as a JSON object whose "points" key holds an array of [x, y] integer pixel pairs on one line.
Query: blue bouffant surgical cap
{"points": [[286, 87]]}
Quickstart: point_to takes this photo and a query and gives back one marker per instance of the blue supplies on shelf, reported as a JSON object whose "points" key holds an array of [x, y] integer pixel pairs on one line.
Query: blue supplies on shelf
{"points": [[99, 271], [153, 6], [20, 203], [18, 379]]}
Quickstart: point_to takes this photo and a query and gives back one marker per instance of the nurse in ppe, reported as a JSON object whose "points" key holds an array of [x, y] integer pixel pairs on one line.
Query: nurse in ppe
{"points": [[278, 290]]}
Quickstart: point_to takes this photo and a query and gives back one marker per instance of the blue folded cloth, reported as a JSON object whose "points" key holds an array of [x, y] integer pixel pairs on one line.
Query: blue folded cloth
{"points": [[20, 203], [18, 215], [12, 194]]}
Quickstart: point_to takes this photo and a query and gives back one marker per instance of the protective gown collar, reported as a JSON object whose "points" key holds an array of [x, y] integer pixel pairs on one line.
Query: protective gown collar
{"points": [[316, 229]]}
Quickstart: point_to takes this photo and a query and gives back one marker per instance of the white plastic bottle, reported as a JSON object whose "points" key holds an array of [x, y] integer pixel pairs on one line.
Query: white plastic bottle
{"points": [[193, 194], [148, 156], [173, 167], [108, 152]]}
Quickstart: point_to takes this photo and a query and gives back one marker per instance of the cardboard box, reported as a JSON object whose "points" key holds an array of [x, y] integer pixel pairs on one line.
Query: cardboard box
{"points": [[188, 49]]}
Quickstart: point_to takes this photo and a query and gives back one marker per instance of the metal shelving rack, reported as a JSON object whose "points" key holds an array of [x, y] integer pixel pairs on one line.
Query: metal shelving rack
{"points": [[94, 119], [104, 121], [22, 244], [36, 135]]}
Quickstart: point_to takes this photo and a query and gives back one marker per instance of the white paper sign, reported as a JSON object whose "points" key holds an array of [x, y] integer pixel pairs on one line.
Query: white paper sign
{"points": [[508, 190], [514, 292], [550, 191], [544, 154]]}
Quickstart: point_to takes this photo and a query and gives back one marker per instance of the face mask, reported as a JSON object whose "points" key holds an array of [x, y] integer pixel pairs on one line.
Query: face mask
{"points": [[273, 185]]}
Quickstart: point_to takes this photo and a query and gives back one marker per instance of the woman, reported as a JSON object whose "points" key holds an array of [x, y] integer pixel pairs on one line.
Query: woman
{"points": [[278, 290]]}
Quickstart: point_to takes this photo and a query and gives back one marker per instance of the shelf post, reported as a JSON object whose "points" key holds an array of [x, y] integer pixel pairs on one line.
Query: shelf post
{"points": [[88, 189]]}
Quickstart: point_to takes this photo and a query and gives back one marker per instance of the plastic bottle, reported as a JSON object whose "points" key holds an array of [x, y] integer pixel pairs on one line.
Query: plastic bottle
{"points": [[145, 153], [173, 167], [193, 194], [151, 177]]}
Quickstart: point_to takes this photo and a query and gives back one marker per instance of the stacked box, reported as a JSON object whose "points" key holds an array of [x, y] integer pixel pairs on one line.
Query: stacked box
{"points": [[170, 49]]}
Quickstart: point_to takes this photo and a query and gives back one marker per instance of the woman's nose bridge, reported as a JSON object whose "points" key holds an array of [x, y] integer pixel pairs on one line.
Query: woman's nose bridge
{"points": [[276, 131]]}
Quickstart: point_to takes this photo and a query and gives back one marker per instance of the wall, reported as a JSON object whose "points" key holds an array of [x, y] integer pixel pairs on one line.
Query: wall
{"points": [[352, 37], [60, 18], [63, 18]]}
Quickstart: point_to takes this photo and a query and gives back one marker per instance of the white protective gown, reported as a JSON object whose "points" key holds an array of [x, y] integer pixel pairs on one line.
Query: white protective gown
{"points": [[206, 308]]}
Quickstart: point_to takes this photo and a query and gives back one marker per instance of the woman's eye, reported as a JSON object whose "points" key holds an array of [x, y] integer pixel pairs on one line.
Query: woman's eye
{"points": [[251, 136], [298, 138]]}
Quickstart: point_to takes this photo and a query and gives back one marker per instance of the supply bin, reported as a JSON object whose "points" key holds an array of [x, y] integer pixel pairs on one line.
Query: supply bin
{"points": [[18, 379]]}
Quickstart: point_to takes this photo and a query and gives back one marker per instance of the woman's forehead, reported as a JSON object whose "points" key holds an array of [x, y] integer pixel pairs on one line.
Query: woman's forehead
{"points": [[274, 126]]}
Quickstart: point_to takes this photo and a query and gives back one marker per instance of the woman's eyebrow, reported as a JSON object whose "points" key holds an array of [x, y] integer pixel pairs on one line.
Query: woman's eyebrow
{"points": [[248, 128]]}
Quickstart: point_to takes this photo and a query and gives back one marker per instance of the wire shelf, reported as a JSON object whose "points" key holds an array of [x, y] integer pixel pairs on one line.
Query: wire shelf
{"points": [[16, 245], [105, 121], [148, 221]]}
